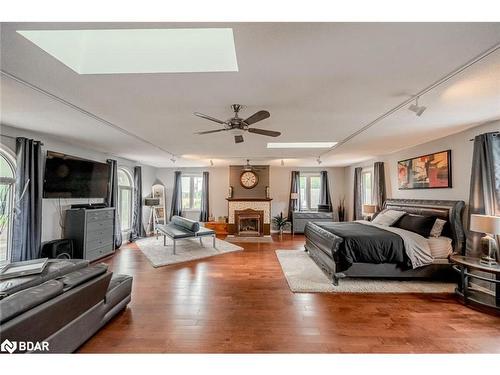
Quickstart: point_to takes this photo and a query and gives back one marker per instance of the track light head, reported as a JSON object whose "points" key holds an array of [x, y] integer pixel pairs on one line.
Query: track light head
{"points": [[417, 108], [319, 161], [173, 159], [282, 163], [211, 163]]}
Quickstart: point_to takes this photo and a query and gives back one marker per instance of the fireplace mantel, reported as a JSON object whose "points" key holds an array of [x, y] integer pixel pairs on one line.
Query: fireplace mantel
{"points": [[249, 199]]}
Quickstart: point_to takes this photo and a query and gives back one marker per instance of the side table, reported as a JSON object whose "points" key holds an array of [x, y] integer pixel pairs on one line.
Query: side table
{"points": [[475, 296]]}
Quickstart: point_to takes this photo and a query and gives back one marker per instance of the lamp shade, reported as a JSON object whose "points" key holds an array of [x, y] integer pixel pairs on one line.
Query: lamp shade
{"points": [[369, 208], [294, 196], [485, 224]]}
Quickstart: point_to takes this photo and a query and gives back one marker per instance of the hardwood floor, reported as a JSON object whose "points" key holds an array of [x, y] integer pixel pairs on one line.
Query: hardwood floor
{"points": [[240, 302]]}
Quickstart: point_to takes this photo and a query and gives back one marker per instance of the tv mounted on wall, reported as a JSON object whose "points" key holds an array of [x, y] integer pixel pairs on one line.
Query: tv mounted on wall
{"points": [[72, 177]]}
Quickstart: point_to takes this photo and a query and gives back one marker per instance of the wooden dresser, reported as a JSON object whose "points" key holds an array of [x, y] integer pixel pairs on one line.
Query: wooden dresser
{"points": [[92, 232], [219, 227]]}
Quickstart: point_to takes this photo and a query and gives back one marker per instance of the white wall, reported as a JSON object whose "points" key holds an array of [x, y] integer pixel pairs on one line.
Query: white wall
{"points": [[279, 187], [50, 207], [461, 161]]}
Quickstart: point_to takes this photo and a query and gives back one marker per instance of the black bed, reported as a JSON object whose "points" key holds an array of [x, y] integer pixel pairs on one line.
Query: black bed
{"points": [[355, 250]]}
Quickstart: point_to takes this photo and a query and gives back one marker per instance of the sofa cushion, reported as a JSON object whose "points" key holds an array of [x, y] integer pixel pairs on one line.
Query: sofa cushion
{"points": [[182, 222], [54, 269], [26, 299], [76, 278], [174, 231]]}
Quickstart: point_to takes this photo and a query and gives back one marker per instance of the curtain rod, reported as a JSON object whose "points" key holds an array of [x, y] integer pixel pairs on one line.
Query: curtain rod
{"points": [[15, 138], [495, 133]]}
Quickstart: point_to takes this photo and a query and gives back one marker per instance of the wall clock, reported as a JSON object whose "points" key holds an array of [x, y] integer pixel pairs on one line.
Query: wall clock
{"points": [[249, 179]]}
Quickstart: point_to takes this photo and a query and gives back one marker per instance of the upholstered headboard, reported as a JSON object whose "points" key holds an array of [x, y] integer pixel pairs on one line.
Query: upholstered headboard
{"points": [[451, 211]]}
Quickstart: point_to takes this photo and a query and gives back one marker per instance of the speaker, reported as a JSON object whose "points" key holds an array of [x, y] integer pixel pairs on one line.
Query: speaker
{"points": [[58, 249]]}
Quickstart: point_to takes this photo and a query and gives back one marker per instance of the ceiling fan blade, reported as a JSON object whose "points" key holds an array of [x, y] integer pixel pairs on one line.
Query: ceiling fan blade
{"points": [[210, 131], [256, 117], [269, 133], [238, 139], [207, 117]]}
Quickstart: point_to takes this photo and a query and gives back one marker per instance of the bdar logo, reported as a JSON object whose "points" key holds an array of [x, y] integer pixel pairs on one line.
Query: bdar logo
{"points": [[8, 346]]}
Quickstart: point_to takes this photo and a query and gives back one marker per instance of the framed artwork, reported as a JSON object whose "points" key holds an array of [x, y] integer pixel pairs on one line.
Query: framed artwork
{"points": [[432, 171]]}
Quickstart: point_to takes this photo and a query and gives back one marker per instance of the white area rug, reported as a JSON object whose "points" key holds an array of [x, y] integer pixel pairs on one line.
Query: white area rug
{"points": [[265, 239], [186, 250], [303, 275]]}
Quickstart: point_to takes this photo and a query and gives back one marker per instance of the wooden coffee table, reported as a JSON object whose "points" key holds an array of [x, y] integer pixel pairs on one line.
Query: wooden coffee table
{"points": [[472, 295]]}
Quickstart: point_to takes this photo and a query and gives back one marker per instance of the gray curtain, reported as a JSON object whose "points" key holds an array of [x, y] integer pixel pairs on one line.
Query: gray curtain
{"points": [[176, 207], [112, 200], [27, 230], [378, 185], [205, 208], [293, 204], [137, 225], [484, 197], [358, 210], [324, 191]]}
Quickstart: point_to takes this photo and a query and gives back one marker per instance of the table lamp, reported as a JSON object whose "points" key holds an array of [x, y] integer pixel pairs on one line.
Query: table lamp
{"points": [[369, 209], [490, 225]]}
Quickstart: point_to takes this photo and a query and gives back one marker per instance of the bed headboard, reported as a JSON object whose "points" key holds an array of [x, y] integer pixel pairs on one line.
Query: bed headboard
{"points": [[451, 211]]}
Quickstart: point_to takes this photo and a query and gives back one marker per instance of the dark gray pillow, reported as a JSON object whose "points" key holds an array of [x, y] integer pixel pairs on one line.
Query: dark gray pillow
{"points": [[182, 222], [416, 223]]}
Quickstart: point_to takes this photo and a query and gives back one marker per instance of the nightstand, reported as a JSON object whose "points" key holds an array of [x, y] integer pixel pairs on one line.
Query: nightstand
{"points": [[472, 295]]}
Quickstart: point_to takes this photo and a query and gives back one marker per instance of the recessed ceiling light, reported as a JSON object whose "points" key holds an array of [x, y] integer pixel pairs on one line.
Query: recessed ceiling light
{"points": [[114, 51], [301, 144]]}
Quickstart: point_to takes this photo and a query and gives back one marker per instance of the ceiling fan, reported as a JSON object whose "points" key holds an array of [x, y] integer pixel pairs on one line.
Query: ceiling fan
{"points": [[238, 125]]}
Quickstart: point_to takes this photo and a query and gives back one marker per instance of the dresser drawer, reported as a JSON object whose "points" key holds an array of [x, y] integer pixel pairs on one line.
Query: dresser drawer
{"points": [[99, 215], [99, 252], [98, 242], [99, 225], [99, 233]]}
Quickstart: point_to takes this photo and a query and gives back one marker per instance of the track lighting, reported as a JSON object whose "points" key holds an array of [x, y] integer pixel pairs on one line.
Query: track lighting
{"points": [[319, 161], [282, 163], [173, 159], [416, 108], [211, 163]]}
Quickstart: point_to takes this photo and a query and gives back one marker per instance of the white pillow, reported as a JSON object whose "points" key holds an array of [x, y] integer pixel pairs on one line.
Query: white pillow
{"points": [[437, 228], [440, 247], [388, 217]]}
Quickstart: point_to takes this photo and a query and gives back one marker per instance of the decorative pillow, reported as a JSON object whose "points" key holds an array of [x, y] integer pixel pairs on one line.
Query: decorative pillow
{"points": [[388, 217], [437, 229], [417, 224], [440, 247]]}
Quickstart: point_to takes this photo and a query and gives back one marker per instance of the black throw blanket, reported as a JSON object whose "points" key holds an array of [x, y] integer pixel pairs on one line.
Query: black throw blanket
{"points": [[366, 244]]}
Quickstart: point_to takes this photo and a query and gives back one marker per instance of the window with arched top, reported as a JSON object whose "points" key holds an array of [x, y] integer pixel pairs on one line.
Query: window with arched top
{"points": [[7, 185], [125, 192]]}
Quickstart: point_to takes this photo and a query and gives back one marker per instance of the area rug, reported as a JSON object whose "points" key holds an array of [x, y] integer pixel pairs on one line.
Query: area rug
{"points": [[265, 239], [304, 276], [186, 250]]}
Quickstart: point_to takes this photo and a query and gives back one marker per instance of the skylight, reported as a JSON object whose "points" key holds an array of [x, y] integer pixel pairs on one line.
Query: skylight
{"points": [[301, 144], [115, 51]]}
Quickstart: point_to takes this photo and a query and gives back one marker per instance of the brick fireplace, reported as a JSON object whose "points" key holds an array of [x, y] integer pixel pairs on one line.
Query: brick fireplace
{"points": [[249, 217]]}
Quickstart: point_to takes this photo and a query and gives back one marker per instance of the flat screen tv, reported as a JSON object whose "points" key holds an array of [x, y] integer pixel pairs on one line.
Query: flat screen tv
{"points": [[72, 177]]}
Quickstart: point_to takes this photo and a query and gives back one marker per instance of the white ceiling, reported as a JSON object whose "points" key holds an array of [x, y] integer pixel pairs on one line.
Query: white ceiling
{"points": [[320, 82]]}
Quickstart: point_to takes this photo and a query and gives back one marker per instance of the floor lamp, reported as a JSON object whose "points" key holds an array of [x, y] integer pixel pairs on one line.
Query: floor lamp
{"points": [[152, 203]]}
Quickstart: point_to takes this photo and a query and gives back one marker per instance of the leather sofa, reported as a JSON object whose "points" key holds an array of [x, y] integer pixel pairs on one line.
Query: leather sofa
{"points": [[63, 306]]}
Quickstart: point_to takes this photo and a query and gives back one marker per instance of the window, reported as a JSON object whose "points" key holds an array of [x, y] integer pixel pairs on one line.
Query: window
{"points": [[366, 186], [7, 184], [309, 191], [125, 192], [191, 192]]}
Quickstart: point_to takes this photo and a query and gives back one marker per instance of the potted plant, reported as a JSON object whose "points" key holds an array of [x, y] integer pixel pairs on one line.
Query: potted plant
{"points": [[280, 222]]}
